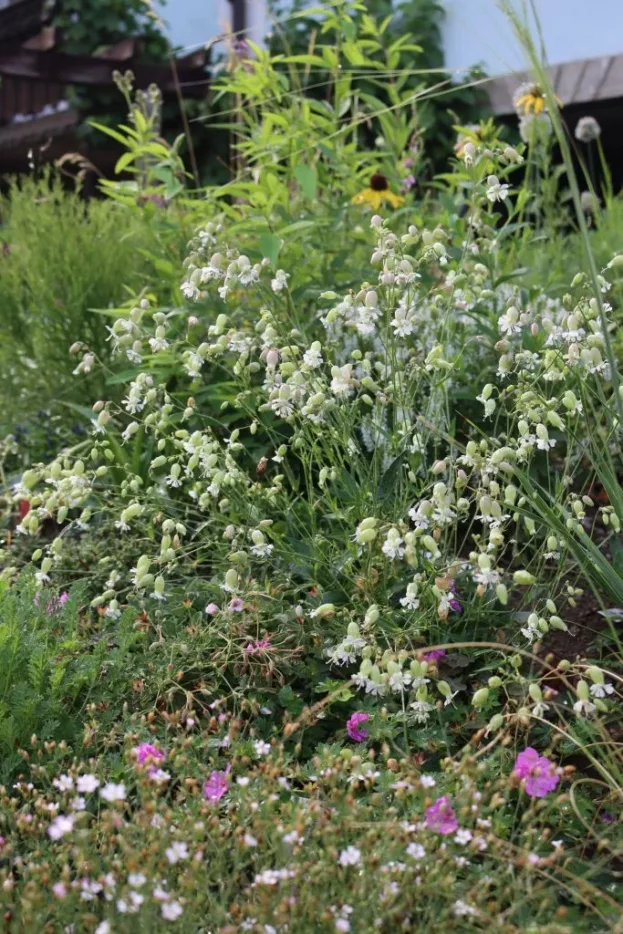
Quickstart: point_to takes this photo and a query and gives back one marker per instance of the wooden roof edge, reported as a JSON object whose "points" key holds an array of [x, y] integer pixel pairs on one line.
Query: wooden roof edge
{"points": [[29, 132], [121, 52], [501, 89], [43, 41], [24, 19], [87, 70]]}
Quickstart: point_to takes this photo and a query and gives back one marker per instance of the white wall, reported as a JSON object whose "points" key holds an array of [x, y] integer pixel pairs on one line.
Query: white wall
{"points": [[192, 23], [477, 32]]}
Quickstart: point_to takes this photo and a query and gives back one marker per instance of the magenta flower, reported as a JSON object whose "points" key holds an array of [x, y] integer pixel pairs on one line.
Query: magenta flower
{"points": [[440, 817], [146, 751], [236, 605], [537, 772], [433, 656], [261, 645], [216, 785], [455, 605], [54, 604], [353, 726]]}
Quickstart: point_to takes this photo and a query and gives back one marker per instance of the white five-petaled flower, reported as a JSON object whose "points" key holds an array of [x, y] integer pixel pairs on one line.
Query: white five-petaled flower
{"points": [[350, 856], [113, 792], [60, 826], [176, 852], [280, 281], [171, 911], [496, 191]]}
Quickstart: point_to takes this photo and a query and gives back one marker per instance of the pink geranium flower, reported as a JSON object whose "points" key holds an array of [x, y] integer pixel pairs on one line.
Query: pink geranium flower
{"points": [[353, 726], [537, 773], [216, 785], [146, 751], [440, 817], [433, 656], [261, 645]]}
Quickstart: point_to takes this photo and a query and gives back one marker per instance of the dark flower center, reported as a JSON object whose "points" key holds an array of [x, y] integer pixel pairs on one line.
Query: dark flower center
{"points": [[378, 182]]}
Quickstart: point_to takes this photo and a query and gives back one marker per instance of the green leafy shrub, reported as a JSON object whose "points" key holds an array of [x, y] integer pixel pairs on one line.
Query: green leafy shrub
{"points": [[337, 521]]}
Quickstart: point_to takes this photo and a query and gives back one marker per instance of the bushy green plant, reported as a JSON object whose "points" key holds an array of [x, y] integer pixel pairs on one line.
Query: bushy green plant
{"points": [[52, 669], [88, 26], [337, 519], [65, 264], [346, 843], [410, 61]]}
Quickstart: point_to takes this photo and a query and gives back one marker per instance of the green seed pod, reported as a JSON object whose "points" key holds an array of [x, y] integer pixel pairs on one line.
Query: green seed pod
{"points": [[496, 721], [231, 579], [595, 674], [501, 593], [480, 697], [557, 623], [535, 692]]}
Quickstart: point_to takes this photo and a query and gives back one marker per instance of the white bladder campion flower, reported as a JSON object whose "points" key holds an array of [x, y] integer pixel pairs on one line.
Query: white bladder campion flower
{"points": [[496, 191]]}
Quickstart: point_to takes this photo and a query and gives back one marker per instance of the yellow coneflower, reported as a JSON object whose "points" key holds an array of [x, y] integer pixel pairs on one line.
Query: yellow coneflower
{"points": [[377, 193], [530, 99]]}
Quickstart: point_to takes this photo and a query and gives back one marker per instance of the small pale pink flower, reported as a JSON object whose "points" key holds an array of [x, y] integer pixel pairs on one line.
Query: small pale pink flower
{"points": [[537, 772], [441, 818], [261, 645], [353, 726], [236, 605], [216, 785], [212, 609]]}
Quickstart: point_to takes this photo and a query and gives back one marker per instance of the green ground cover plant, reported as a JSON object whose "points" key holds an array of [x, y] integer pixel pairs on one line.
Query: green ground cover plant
{"points": [[318, 627]]}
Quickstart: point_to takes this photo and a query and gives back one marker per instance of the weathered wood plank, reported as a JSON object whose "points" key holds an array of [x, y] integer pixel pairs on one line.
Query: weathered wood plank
{"points": [[83, 69], [574, 82]]}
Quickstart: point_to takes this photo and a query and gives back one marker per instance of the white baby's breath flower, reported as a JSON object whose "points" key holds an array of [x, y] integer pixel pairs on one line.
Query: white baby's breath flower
{"points": [[350, 856]]}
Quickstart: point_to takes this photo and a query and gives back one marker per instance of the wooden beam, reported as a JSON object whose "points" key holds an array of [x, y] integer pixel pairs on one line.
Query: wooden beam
{"points": [[83, 69], [121, 52], [33, 131], [22, 20], [43, 41], [238, 17]]}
